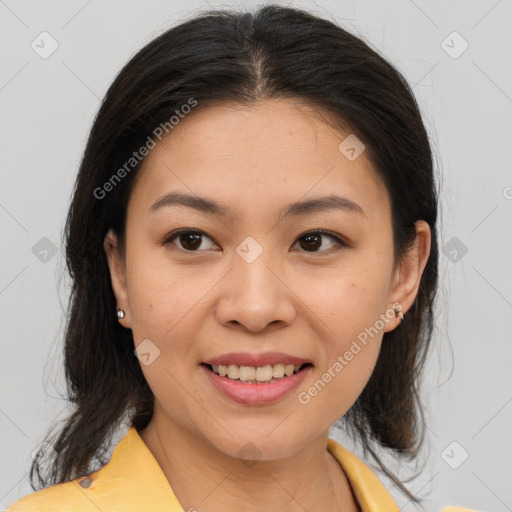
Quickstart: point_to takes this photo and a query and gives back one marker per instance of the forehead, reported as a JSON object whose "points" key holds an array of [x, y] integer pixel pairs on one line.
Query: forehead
{"points": [[274, 151]]}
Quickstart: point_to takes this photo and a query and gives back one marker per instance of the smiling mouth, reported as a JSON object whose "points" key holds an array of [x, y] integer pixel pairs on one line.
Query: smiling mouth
{"points": [[256, 374]]}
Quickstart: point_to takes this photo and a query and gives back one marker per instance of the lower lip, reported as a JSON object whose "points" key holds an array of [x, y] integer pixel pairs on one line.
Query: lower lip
{"points": [[256, 394]]}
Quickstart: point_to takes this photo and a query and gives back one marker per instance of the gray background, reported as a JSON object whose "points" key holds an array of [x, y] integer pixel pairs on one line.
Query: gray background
{"points": [[47, 107]]}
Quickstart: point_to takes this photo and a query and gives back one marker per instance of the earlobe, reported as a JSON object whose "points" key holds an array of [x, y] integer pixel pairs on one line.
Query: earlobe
{"points": [[408, 274], [117, 277]]}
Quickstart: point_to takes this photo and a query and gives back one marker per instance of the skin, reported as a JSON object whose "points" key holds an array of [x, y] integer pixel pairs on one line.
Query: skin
{"points": [[308, 303]]}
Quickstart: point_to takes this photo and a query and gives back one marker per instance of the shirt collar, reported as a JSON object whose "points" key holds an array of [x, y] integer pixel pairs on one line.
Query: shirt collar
{"points": [[134, 473], [370, 493]]}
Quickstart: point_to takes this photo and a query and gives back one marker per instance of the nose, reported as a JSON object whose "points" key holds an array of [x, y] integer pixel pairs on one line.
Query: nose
{"points": [[255, 295]]}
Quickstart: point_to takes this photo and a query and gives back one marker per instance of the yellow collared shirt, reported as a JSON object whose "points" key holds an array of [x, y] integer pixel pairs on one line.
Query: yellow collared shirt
{"points": [[132, 481]]}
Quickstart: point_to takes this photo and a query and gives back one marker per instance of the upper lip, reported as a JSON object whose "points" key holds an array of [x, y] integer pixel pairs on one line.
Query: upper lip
{"points": [[247, 359]]}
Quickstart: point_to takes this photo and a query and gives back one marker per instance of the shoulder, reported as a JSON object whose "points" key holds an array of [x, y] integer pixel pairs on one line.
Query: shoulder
{"points": [[367, 487], [369, 491], [64, 497], [130, 482]]}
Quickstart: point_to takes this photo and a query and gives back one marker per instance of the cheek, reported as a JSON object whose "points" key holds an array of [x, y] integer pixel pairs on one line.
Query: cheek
{"points": [[350, 315], [354, 299], [161, 296], [343, 370]]}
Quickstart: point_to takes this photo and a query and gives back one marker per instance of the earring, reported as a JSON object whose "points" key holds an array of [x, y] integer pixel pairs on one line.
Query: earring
{"points": [[120, 313], [398, 313]]}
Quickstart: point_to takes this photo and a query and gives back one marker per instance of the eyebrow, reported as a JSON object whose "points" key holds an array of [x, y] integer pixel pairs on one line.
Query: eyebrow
{"points": [[212, 207]]}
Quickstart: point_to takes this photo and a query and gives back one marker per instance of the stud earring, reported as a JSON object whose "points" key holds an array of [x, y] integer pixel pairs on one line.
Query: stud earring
{"points": [[120, 313], [398, 313]]}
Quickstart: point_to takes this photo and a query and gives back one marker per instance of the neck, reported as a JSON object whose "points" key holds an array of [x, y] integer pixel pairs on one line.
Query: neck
{"points": [[207, 480]]}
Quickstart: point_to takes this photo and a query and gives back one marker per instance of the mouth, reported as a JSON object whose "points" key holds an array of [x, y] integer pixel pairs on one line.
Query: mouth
{"points": [[256, 374], [256, 385]]}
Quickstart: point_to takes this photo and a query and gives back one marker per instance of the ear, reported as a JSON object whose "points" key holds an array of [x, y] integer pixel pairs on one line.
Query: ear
{"points": [[117, 275], [407, 277]]}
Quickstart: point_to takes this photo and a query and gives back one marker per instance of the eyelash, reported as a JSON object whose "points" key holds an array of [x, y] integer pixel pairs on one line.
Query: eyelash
{"points": [[339, 241]]}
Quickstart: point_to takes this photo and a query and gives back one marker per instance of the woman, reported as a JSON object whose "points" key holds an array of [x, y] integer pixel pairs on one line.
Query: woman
{"points": [[252, 242]]}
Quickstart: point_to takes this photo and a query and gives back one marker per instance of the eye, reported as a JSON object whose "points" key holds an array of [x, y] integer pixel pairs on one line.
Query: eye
{"points": [[189, 239], [312, 241]]}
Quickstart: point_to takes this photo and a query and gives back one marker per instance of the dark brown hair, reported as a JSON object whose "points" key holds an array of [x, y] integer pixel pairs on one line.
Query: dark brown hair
{"points": [[242, 57]]}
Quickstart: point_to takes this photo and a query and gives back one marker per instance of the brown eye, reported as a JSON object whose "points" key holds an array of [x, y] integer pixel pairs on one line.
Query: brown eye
{"points": [[313, 241], [189, 239]]}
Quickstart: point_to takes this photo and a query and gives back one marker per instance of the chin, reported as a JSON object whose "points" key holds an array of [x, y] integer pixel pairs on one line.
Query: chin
{"points": [[258, 444]]}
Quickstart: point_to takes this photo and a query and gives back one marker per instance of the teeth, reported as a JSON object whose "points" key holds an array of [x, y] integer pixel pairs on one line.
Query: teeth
{"points": [[264, 373], [233, 371], [254, 374], [278, 371], [247, 373]]}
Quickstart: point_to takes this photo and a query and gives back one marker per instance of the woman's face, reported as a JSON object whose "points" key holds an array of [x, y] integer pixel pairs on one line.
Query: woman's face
{"points": [[202, 282]]}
